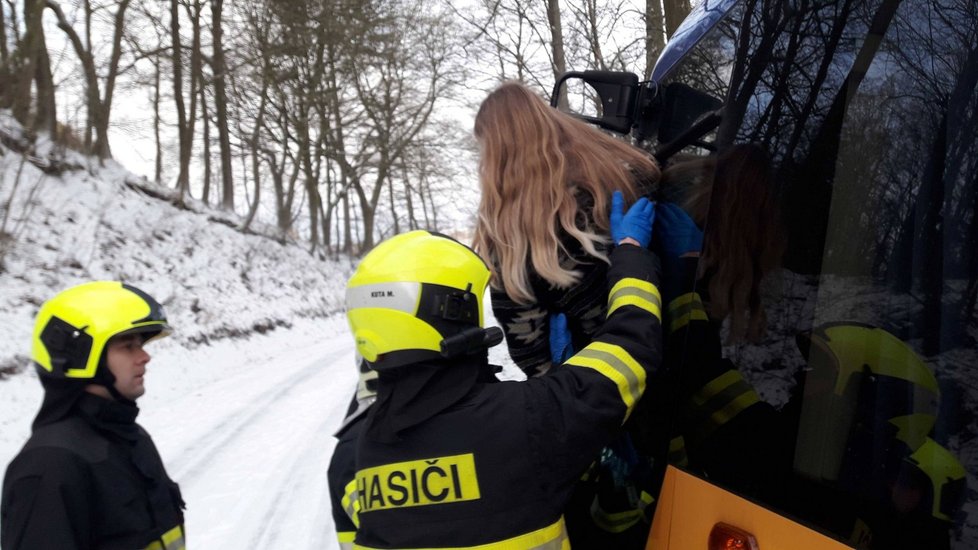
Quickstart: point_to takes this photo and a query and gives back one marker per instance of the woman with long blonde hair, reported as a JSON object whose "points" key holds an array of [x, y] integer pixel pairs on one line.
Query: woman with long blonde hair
{"points": [[543, 228]]}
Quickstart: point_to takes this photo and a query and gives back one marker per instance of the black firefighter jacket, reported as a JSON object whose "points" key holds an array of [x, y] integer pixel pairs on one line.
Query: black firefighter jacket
{"points": [[496, 469], [92, 480]]}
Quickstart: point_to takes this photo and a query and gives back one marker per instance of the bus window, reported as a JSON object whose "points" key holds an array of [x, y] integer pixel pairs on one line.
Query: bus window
{"points": [[862, 335]]}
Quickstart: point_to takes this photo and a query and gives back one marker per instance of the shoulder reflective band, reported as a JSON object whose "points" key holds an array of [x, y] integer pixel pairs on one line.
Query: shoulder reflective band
{"points": [[171, 540], [418, 483], [351, 502], [615, 364], [719, 401], [551, 537], [635, 292], [687, 307]]}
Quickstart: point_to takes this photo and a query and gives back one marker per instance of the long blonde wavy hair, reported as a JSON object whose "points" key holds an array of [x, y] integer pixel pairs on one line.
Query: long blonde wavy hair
{"points": [[733, 194], [534, 163]]}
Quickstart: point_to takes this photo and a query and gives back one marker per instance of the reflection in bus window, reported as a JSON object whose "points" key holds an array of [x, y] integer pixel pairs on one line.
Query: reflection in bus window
{"points": [[868, 112]]}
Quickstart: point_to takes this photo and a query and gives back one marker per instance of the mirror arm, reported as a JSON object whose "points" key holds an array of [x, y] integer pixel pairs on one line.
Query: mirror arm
{"points": [[692, 136]]}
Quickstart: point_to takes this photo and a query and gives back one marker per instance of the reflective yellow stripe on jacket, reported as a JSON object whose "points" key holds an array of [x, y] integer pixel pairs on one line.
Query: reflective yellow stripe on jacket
{"points": [[351, 502], [551, 537], [617, 365], [171, 540], [720, 401], [617, 522], [351, 505], [685, 308], [635, 292]]}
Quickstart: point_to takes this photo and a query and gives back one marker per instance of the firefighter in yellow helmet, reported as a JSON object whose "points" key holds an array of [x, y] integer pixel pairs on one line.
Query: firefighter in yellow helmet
{"points": [[89, 477], [865, 431], [448, 456]]}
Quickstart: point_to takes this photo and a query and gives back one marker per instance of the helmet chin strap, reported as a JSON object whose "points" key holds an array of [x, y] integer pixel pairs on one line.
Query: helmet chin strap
{"points": [[104, 377]]}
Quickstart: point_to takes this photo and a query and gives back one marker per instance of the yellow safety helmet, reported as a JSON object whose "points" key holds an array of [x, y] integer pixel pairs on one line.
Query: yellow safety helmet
{"points": [[860, 377], [72, 328], [418, 296], [943, 477]]}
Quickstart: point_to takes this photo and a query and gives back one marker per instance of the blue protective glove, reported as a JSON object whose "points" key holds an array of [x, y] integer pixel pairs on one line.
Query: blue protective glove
{"points": [[560, 339], [637, 223], [676, 233]]}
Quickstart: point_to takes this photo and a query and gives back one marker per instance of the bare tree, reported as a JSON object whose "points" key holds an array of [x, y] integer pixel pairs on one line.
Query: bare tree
{"points": [[4, 52], [248, 85], [21, 69], [516, 35], [557, 44], [193, 9], [219, 70], [158, 165], [46, 112], [99, 103], [183, 128], [398, 90], [206, 156], [655, 40]]}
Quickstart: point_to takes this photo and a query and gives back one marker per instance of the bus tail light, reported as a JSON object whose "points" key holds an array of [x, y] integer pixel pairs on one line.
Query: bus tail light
{"points": [[728, 537]]}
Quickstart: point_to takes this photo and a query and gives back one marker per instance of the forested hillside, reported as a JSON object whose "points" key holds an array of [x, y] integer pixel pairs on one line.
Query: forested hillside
{"points": [[90, 222]]}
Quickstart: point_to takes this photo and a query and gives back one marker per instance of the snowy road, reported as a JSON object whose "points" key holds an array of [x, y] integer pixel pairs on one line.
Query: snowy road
{"points": [[250, 449]]}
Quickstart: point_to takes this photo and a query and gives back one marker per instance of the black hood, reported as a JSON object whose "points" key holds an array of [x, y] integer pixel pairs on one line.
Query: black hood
{"points": [[60, 396], [409, 395]]}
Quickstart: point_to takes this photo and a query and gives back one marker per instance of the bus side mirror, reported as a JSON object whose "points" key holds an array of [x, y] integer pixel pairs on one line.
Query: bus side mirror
{"points": [[605, 98]]}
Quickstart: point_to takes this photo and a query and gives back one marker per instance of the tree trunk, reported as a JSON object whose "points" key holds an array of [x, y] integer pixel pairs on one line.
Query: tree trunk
{"points": [[4, 52], [409, 201], [158, 168], [557, 45], [394, 216], [309, 176], [256, 175], [205, 119], [196, 69], [220, 103], [971, 246], [929, 207], [84, 54], [105, 107], [654, 39], [676, 11], [4, 57], [347, 230], [183, 176], [46, 116], [23, 63], [594, 42], [255, 160], [325, 216]]}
